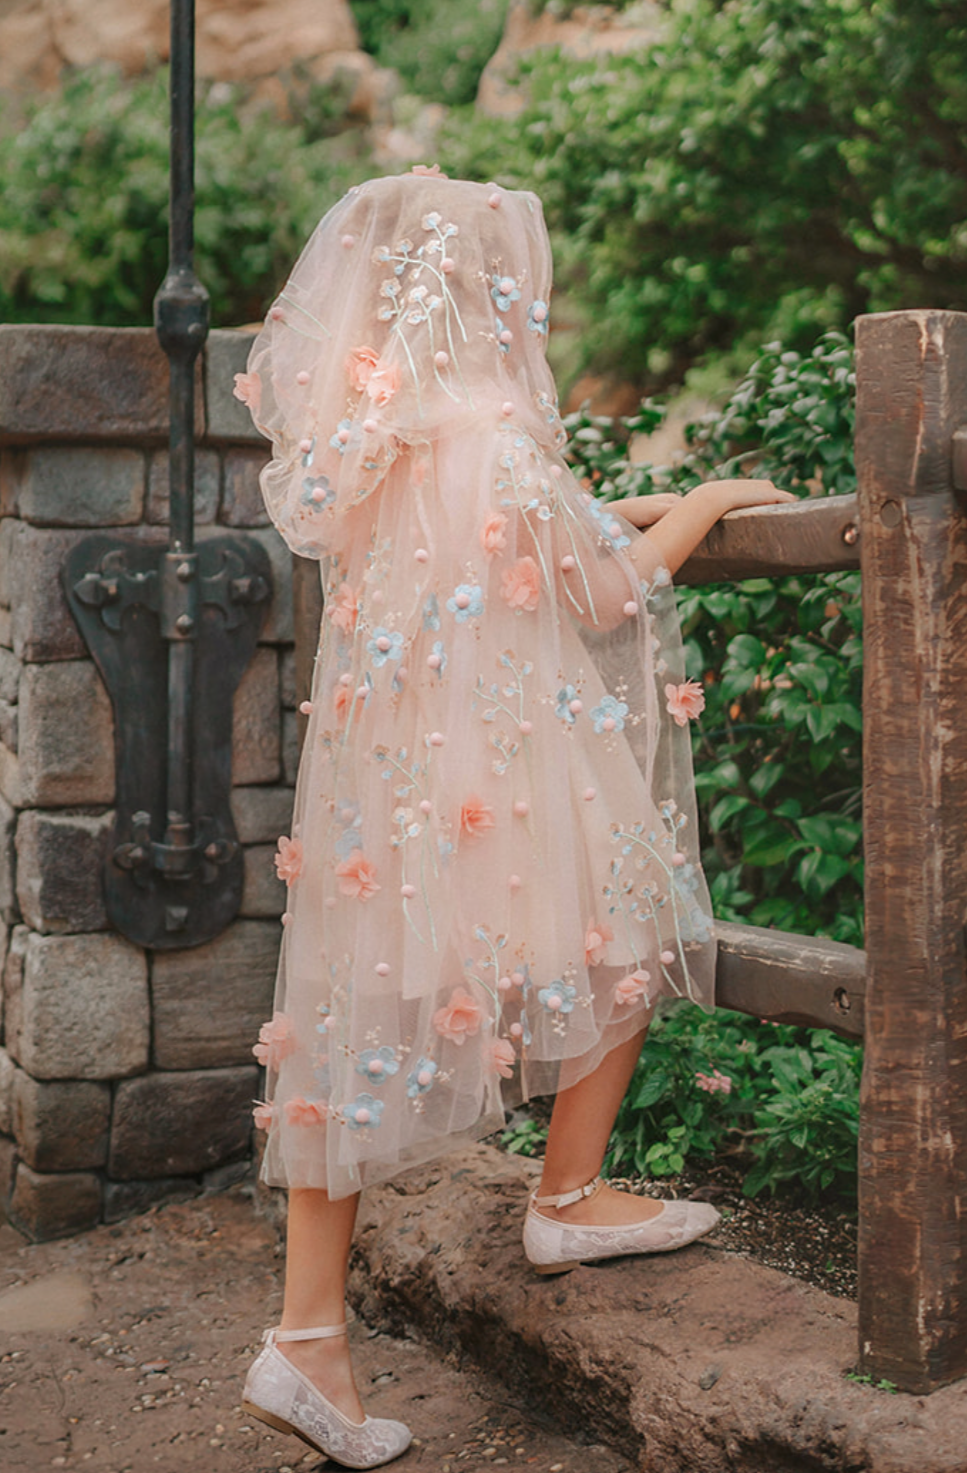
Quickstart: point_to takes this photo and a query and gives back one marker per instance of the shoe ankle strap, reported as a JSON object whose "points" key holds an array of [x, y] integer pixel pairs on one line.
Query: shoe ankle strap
{"points": [[318, 1332], [564, 1199]]}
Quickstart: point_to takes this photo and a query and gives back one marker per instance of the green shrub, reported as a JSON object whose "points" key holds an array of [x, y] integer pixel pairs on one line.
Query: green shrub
{"points": [[778, 772], [439, 47], [83, 210], [769, 168]]}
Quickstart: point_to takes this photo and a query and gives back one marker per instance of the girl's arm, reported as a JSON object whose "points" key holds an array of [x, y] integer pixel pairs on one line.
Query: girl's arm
{"points": [[677, 534]]}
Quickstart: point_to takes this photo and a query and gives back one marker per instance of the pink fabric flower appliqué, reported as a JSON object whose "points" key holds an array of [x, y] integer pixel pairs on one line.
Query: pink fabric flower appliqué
{"points": [[520, 585], [492, 538], [431, 171], [595, 936], [359, 367], [276, 1041], [631, 988], [342, 698], [460, 1019], [685, 702], [345, 610], [263, 1115], [357, 877], [383, 383], [503, 1057], [476, 818], [248, 388], [300, 1111], [288, 860]]}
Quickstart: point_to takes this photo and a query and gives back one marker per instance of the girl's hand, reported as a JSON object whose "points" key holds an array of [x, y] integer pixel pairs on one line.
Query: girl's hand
{"points": [[645, 511], [675, 537]]}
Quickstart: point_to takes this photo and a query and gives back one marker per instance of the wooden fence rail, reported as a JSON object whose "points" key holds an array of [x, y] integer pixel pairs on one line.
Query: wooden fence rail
{"points": [[906, 994]]}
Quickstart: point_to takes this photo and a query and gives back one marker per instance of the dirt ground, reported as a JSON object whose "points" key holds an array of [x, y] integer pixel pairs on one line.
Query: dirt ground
{"points": [[126, 1348]]}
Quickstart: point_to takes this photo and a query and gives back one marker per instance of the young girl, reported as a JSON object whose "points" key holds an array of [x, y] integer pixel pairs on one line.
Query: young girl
{"points": [[493, 873]]}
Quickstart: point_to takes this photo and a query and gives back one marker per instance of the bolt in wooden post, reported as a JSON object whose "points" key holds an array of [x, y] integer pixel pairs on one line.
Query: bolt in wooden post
{"points": [[912, 397]]}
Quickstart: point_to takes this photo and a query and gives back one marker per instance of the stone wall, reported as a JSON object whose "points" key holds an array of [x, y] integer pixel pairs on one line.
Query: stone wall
{"points": [[126, 1076]]}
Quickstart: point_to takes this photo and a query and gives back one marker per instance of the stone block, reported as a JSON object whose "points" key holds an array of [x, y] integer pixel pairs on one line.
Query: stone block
{"points": [[291, 750], [60, 859], [287, 679], [6, 630], [90, 383], [13, 975], [226, 354], [9, 726], [8, 1073], [61, 1125], [8, 1167], [223, 1178], [42, 625], [86, 1011], [210, 1001], [280, 624], [82, 486], [262, 814], [131, 1198], [256, 728], [263, 893], [11, 786], [9, 676], [8, 529], [207, 487], [11, 471], [181, 1124], [8, 861], [54, 1206], [66, 736], [242, 504]]}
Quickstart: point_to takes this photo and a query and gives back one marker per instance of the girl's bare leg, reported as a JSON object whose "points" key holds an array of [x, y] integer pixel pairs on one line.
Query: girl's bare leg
{"points": [[318, 1238], [578, 1137]]}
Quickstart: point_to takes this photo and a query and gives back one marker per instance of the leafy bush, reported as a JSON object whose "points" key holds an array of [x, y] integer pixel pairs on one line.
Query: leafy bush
{"points": [[83, 210], [770, 167], [439, 47], [778, 770], [777, 753]]}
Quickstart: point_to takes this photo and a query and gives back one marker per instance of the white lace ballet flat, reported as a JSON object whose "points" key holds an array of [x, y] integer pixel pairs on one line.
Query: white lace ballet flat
{"points": [[554, 1247], [280, 1395]]}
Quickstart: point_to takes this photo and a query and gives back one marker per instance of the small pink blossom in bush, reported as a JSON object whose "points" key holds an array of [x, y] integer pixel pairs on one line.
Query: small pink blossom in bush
{"points": [[714, 1083]]}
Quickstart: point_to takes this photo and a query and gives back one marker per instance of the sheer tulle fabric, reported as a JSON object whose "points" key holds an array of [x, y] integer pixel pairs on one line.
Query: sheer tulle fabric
{"points": [[493, 871]]}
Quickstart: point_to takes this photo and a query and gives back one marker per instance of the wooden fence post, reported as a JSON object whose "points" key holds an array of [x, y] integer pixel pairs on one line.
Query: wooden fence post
{"points": [[912, 397]]}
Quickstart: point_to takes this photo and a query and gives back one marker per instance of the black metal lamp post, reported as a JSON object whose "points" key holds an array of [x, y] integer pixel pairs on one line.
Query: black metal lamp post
{"points": [[172, 630]]}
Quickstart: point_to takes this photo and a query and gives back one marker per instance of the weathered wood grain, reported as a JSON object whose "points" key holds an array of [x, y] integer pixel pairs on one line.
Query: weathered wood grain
{"points": [[819, 536], [912, 396], [790, 979]]}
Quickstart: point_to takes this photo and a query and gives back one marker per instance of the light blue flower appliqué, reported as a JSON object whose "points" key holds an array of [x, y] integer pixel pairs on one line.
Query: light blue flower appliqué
{"points": [[421, 1079], [340, 439], [563, 710], [363, 1111], [377, 1064], [499, 328], [609, 528], [558, 997], [504, 291], [317, 492], [537, 314], [431, 613], [441, 655], [609, 710], [467, 602], [352, 831], [384, 645]]}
